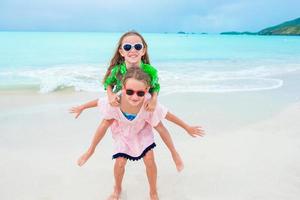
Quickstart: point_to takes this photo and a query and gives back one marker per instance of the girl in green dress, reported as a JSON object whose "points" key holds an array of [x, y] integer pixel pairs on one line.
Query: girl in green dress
{"points": [[132, 52]]}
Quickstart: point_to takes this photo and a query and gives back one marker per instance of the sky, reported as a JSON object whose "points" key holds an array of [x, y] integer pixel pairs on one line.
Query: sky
{"points": [[210, 16]]}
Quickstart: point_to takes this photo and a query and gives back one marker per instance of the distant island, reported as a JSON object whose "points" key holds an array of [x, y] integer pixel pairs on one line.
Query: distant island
{"points": [[238, 33], [287, 28], [182, 32]]}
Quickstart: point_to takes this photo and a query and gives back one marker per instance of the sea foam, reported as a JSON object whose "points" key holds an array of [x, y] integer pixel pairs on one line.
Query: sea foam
{"points": [[192, 78]]}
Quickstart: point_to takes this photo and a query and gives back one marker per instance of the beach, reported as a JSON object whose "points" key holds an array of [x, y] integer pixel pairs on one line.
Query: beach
{"points": [[241, 157], [243, 91]]}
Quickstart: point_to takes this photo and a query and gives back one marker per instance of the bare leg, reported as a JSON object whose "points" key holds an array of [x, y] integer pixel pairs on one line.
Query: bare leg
{"points": [[101, 130], [151, 174], [119, 170], [166, 137]]}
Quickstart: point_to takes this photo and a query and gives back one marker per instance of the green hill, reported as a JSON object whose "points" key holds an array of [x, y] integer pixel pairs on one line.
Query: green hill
{"points": [[287, 28]]}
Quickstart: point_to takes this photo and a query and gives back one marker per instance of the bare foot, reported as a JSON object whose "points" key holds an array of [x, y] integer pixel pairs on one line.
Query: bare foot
{"points": [[178, 161], [115, 195], [84, 158], [154, 196]]}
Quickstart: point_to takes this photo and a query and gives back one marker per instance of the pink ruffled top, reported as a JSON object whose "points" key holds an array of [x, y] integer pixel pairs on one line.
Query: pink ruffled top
{"points": [[132, 138]]}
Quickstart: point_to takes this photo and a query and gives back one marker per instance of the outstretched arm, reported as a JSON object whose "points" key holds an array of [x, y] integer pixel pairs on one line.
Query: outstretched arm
{"points": [[191, 130], [112, 98], [100, 132], [78, 109]]}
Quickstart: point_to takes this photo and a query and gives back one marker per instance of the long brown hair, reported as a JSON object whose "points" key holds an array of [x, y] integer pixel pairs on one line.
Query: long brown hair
{"points": [[117, 59]]}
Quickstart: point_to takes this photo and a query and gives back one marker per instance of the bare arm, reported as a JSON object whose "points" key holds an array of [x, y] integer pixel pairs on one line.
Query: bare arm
{"points": [[109, 90], [90, 104], [154, 96], [78, 109], [151, 104], [112, 97], [173, 118], [191, 130]]}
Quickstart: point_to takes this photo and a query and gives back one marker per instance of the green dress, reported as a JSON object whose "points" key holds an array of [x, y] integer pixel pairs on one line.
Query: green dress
{"points": [[119, 71]]}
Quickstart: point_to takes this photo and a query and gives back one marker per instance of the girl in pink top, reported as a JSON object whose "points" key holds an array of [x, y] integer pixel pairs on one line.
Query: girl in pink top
{"points": [[132, 133], [132, 52], [131, 127]]}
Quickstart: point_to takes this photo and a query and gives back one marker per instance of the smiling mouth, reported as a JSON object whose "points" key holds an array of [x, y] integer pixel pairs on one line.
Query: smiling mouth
{"points": [[132, 56], [135, 101]]}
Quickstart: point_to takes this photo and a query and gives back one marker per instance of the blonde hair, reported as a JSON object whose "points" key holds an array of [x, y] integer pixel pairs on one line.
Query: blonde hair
{"points": [[138, 74], [117, 59]]}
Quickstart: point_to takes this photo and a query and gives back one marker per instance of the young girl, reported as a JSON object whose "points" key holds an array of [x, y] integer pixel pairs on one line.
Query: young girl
{"points": [[131, 127], [132, 52]]}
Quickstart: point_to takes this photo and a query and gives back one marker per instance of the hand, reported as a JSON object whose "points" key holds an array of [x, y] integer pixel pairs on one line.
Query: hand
{"points": [[77, 110], [114, 100], [150, 105], [195, 131], [84, 158]]}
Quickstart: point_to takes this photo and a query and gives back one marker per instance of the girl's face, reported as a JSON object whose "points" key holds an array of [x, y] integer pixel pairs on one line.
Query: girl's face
{"points": [[132, 49], [134, 91]]}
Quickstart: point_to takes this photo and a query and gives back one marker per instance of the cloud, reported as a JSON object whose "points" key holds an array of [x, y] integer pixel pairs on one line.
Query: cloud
{"points": [[148, 16]]}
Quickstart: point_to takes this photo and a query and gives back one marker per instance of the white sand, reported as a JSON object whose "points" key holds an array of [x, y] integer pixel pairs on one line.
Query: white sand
{"points": [[40, 143]]}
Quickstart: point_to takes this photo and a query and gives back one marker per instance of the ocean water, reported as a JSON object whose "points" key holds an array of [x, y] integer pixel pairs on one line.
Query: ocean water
{"points": [[50, 61]]}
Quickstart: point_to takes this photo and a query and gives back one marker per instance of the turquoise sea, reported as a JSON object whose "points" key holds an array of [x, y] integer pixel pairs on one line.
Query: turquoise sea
{"points": [[211, 63], [242, 90]]}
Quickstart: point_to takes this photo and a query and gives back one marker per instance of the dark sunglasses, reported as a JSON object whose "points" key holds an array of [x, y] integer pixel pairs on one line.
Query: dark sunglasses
{"points": [[139, 93], [128, 47]]}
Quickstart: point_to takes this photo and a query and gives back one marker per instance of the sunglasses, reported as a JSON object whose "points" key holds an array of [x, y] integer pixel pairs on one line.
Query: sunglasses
{"points": [[128, 47], [139, 93]]}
